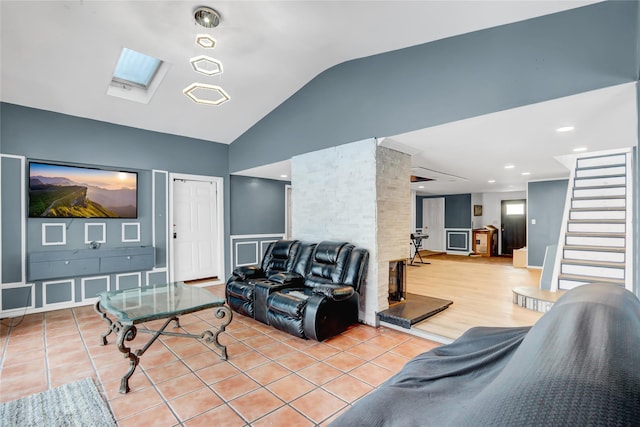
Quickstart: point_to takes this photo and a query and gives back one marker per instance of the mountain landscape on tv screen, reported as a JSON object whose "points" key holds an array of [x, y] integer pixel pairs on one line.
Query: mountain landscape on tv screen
{"points": [[60, 197]]}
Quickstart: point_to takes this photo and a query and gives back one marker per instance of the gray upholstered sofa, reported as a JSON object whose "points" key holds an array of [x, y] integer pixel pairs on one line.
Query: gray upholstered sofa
{"points": [[579, 365]]}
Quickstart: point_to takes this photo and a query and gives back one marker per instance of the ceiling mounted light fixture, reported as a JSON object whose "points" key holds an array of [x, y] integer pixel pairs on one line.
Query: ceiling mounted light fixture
{"points": [[565, 129], [219, 96], [205, 41], [206, 17], [206, 65]]}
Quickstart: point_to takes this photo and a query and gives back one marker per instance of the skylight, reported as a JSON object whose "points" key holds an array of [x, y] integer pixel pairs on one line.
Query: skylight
{"points": [[136, 76], [135, 68]]}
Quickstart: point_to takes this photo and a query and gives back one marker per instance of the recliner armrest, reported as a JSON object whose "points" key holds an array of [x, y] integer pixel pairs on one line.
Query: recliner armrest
{"points": [[248, 272], [287, 278], [336, 292]]}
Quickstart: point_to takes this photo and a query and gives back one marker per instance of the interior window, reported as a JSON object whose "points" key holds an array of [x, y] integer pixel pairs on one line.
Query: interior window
{"points": [[515, 209]]}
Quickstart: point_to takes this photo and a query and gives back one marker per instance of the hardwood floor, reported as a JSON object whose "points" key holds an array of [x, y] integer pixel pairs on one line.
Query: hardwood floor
{"points": [[479, 288]]}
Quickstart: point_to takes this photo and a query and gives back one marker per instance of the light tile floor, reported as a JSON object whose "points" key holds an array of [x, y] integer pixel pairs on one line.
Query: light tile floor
{"points": [[269, 379]]}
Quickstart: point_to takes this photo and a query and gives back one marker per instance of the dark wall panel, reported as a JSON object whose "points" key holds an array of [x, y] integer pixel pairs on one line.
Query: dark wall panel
{"points": [[457, 211], [545, 205], [257, 205]]}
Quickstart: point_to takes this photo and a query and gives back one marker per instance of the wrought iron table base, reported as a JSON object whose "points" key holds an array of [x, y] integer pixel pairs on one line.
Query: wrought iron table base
{"points": [[128, 332]]}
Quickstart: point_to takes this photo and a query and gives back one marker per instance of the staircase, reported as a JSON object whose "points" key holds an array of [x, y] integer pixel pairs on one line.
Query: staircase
{"points": [[595, 243]]}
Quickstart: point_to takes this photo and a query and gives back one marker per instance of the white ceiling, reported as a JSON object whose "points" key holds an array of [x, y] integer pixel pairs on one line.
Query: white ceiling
{"points": [[60, 56], [476, 150]]}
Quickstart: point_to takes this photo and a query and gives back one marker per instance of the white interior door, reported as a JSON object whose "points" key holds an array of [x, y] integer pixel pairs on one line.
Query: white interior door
{"points": [[196, 237], [433, 224]]}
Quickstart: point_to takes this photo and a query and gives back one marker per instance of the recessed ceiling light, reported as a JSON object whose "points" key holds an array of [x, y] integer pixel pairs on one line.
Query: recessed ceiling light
{"points": [[579, 149], [526, 173], [421, 186], [491, 181], [284, 175], [509, 166], [565, 129]]}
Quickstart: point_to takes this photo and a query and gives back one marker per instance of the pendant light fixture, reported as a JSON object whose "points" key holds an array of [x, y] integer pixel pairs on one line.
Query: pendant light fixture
{"points": [[206, 17]]}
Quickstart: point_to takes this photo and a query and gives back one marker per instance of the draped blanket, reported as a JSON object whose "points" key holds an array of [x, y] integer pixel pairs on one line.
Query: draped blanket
{"points": [[579, 365]]}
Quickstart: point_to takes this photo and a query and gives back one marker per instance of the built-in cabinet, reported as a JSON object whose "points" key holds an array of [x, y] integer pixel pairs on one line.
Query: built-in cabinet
{"points": [[48, 265]]}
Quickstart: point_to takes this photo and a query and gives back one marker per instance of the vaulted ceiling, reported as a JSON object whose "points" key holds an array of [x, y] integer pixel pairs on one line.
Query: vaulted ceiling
{"points": [[60, 56]]}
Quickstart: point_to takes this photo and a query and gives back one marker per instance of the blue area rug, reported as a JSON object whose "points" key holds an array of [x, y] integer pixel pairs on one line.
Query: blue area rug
{"points": [[76, 404]]}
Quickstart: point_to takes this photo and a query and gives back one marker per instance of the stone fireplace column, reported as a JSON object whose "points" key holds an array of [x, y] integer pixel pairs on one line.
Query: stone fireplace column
{"points": [[360, 193]]}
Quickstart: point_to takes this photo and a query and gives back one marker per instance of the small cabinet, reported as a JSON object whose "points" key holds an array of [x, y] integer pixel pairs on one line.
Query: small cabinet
{"points": [[485, 241]]}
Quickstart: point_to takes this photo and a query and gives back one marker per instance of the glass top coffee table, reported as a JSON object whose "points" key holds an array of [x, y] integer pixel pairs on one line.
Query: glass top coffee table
{"points": [[130, 307]]}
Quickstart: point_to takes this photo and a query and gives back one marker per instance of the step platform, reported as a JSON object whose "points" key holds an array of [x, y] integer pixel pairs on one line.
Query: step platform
{"points": [[414, 309], [535, 299]]}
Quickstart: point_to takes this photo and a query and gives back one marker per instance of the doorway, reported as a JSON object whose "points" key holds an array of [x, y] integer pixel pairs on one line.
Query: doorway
{"points": [[197, 250], [433, 224], [514, 225]]}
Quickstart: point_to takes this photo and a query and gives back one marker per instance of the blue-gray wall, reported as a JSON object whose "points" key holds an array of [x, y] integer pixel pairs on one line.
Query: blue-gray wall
{"points": [[53, 137], [257, 205], [464, 76], [11, 220], [545, 204], [451, 79]]}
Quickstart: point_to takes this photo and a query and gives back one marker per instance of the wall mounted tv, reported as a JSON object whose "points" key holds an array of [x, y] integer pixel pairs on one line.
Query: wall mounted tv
{"points": [[62, 191]]}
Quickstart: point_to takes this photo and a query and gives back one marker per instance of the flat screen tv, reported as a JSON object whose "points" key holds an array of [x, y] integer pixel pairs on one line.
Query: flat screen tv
{"points": [[61, 191]]}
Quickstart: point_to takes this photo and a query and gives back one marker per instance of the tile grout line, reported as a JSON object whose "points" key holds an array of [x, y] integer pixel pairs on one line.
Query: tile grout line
{"points": [[46, 351], [5, 346], [192, 372], [229, 403], [164, 402], [103, 392]]}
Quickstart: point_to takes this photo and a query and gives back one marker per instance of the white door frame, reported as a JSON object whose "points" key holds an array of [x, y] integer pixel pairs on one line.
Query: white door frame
{"points": [[219, 182]]}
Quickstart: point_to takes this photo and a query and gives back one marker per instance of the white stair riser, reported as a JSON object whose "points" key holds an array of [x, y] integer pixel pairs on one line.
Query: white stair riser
{"points": [[617, 159], [594, 255], [596, 228], [614, 242], [599, 203], [615, 170], [596, 182], [597, 215], [596, 246], [587, 270], [599, 192], [570, 284]]}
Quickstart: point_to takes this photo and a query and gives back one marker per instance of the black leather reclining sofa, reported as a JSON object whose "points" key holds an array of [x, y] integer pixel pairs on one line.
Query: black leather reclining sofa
{"points": [[310, 290]]}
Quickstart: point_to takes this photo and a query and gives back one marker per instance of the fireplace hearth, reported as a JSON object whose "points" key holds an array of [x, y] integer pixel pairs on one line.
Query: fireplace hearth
{"points": [[397, 280]]}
